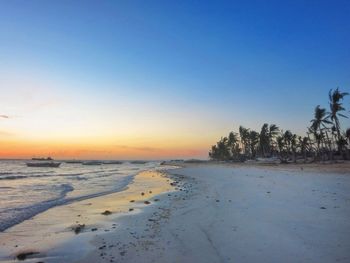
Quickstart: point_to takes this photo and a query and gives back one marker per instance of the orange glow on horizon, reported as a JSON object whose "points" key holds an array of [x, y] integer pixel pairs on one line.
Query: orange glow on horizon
{"points": [[100, 150], [47, 116]]}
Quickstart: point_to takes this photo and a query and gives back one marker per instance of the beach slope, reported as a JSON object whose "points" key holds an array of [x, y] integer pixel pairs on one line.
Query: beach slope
{"points": [[239, 214]]}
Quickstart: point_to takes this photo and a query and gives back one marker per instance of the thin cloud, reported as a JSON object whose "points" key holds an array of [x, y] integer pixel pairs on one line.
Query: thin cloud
{"points": [[4, 116]]}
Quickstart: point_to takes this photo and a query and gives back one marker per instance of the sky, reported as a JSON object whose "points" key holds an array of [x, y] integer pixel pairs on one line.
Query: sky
{"points": [[162, 79]]}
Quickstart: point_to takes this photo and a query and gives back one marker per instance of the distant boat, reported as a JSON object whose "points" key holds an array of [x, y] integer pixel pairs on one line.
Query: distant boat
{"points": [[42, 159], [112, 162], [92, 163], [43, 164]]}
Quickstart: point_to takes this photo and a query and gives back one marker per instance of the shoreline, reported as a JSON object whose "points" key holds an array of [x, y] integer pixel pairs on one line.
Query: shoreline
{"points": [[61, 222], [138, 231], [27, 191], [45, 206], [239, 214], [203, 213]]}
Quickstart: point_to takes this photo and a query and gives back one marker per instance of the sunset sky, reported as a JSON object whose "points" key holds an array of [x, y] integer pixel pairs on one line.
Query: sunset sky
{"points": [[162, 79]]}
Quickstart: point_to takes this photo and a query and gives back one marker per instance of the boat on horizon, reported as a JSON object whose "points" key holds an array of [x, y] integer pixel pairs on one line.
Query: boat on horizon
{"points": [[43, 164], [42, 159]]}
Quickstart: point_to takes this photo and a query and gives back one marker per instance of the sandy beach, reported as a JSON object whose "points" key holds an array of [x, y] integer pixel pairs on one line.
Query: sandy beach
{"points": [[200, 213], [174, 131]]}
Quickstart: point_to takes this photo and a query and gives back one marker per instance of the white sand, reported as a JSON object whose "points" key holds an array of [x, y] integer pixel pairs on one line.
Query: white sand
{"points": [[273, 216], [222, 214]]}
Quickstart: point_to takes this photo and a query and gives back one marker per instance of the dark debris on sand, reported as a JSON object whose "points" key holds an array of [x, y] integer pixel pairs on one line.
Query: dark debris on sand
{"points": [[24, 255], [106, 213], [77, 229], [144, 240]]}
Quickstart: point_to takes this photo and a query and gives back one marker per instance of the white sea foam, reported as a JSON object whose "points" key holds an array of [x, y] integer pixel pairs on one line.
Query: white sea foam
{"points": [[27, 191]]}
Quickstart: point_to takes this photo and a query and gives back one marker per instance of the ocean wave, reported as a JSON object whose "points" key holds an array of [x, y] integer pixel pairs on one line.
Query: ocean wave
{"points": [[78, 178], [14, 216], [70, 175], [21, 176], [47, 188], [13, 177], [106, 174], [5, 173]]}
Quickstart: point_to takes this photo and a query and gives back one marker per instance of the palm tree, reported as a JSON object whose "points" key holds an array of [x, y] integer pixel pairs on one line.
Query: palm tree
{"points": [[288, 137], [213, 153], [244, 134], [233, 145], [224, 153], [281, 144], [335, 105], [264, 140], [220, 151], [304, 146], [320, 119], [294, 146], [318, 126], [318, 137], [273, 132], [347, 135], [253, 141], [232, 138]]}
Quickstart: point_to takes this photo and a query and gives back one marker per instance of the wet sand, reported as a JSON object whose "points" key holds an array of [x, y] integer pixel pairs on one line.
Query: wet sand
{"points": [[64, 233]]}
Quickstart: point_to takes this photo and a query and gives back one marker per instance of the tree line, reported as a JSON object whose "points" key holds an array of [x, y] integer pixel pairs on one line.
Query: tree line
{"points": [[324, 139]]}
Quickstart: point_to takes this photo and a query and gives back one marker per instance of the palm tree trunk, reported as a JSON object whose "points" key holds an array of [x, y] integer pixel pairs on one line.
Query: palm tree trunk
{"points": [[330, 152]]}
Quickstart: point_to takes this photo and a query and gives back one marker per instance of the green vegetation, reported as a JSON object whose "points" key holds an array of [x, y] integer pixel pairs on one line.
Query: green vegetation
{"points": [[324, 139]]}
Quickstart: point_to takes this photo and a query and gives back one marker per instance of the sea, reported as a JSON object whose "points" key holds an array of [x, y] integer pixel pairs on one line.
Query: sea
{"points": [[27, 191]]}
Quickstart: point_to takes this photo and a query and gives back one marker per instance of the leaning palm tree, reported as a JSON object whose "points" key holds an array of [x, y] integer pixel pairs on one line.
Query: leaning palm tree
{"points": [[319, 125], [335, 105], [320, 119]]}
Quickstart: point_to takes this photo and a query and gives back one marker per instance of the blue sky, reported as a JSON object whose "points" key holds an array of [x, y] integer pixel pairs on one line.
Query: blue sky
{"points": [[212, 64]]}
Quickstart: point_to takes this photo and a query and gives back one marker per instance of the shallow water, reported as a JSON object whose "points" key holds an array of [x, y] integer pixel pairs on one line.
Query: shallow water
{"points": [[27, 191]]}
